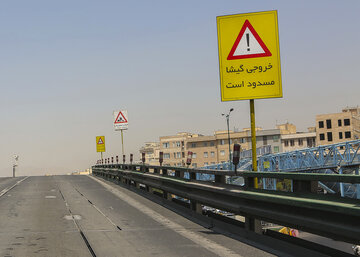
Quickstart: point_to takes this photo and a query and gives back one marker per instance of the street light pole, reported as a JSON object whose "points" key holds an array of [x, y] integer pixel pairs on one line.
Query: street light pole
{"points": [[228, 127]]}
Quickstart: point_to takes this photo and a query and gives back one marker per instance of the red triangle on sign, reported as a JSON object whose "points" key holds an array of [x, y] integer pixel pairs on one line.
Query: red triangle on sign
{"points": [[100, 142], [248, 44], [120, 118]]}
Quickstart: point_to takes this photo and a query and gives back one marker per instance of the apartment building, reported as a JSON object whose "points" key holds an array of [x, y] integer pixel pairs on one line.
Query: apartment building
{"points": [[174, 148], [338, 127], [214, 149], [297, 141], [151, 150]]}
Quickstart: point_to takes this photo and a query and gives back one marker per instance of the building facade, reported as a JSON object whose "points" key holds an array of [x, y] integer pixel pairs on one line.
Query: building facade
{"points": [[297, 141], [151, 150], [338, 127], [213, 149]]}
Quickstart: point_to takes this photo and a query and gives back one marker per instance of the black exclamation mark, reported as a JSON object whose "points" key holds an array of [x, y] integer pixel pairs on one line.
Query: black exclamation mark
{"points": [[248, 41]]}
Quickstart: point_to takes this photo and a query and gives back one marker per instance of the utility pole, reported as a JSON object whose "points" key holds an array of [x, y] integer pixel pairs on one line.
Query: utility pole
{"points": [[228, 128]]}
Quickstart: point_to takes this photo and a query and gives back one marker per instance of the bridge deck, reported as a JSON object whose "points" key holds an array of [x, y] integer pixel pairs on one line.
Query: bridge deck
{"points": [[78, 216]]}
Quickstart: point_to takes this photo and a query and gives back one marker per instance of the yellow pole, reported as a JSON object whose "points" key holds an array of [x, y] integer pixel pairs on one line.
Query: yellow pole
{"points": [[253, 139], [122, 142]]}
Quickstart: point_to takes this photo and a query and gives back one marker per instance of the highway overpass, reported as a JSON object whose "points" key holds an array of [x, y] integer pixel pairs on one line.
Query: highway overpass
{"points": [[90, 216]]}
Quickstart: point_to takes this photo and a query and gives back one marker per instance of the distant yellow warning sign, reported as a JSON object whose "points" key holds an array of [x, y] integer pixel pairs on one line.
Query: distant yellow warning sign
{"points": [[100, 144], [249, 56]]}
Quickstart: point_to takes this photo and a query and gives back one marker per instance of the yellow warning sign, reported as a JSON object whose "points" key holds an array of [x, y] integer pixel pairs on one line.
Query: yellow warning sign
{"points": [[100, 144], [249, 56]]}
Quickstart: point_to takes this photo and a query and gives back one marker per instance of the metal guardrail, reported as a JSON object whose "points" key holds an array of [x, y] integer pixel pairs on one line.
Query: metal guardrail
{"points": [[304, 209]]}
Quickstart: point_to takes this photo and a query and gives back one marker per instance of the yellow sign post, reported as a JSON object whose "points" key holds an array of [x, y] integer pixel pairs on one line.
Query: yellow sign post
{"points": [[100, 145], [249, 61]]}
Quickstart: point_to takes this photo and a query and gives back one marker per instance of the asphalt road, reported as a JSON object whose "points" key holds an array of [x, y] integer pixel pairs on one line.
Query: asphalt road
{"points": [[84, 216]]}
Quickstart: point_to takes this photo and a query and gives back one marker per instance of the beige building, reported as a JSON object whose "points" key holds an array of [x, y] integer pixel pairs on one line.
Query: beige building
{"points": [[151, 150], [213, 149], [297, 141], [338, 127], [174, 148]]}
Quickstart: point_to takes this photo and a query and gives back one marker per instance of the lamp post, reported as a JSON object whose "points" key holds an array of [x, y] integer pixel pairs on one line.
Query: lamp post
{"points": [[227, 121]]}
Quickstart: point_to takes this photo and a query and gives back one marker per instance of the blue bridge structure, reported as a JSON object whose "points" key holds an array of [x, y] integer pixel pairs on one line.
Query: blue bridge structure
{"points": [[341, 158]]}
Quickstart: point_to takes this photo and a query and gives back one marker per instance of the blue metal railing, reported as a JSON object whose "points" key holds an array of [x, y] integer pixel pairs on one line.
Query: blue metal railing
{"points": [[341, 158]]}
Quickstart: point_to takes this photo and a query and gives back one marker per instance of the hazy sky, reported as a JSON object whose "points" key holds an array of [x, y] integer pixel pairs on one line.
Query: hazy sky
{"points": [[66, 65]]}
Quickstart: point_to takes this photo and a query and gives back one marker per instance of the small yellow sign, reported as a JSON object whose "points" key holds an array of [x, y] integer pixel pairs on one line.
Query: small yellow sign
{"points": [[249, 56], [266, 165], [100, 144]]}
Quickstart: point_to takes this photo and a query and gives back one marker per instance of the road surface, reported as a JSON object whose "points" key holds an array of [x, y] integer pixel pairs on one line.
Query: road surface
{"points": [[85, 216]]}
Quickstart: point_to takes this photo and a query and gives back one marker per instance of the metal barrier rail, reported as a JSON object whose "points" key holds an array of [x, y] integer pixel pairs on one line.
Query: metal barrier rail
{"points": [[304, 209]]}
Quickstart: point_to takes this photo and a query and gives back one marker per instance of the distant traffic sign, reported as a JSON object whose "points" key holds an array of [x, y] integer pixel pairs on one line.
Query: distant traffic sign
{"points": [[249, 56], [100, 144], [120, 120]]}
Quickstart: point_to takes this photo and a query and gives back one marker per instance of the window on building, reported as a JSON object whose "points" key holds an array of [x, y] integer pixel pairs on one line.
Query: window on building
{"points": [[276, 138], [166, 156], [206, 163], [321, 124], [178, 144], [242, 140], [212, 163], [212, 154], [300, 141], [309, 142], [340, 135], [166, 145], [276, 149], [328, 124], [205, 143], [329, 136], [222, 142], [231, 141], [194, 165], [339, 123], [205, 154], [222, 152], [322, 136], [183, 154], [292, 142], [174, 155], [346, 122], [212, 143], [347, 134], [193, 145], [173, 144], [265, 140], [178, 155], [194, 155], [286, 142]]}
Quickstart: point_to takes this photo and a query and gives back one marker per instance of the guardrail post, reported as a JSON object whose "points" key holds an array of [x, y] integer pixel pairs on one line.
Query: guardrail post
{"points": [[192, 175], [249, 182], [220, 179], [179, 173], [253, 224], [164, 172], [305, 186], [196, 206], [167, 195]]}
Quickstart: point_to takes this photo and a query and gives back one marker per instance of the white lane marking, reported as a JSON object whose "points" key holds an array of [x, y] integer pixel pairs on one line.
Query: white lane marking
{"points": [[50, 196], [4, 191], [198, 239]]}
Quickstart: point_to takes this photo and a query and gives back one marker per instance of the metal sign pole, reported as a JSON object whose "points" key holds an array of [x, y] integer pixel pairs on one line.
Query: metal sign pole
{"points": [[101, 155], [253, 139], [122, 142]]}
